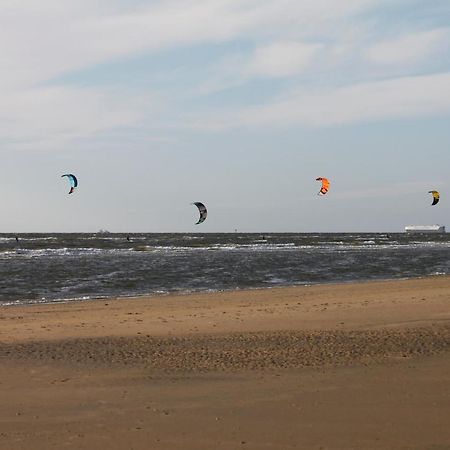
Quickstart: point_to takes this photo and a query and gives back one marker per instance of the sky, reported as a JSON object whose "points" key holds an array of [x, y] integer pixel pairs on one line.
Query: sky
{"points": [[239, 104]]}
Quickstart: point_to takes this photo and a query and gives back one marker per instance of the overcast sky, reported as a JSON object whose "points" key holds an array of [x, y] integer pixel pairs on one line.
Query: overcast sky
{"points": [[239, 104]]}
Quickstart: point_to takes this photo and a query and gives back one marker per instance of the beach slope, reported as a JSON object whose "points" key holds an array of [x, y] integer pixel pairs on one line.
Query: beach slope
{"points": [[363, 365]]}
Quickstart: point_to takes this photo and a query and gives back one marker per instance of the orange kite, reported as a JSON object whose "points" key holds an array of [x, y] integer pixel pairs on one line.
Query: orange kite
{"points": [[325, 185]]}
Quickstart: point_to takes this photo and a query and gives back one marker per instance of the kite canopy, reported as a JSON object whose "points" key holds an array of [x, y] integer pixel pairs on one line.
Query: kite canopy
{"points": [[202, 210], [325, 185], [435, 197], [72, 180]]}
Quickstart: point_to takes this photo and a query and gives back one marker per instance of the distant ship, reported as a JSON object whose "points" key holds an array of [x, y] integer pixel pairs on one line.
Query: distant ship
{"points": [[425, 229]]}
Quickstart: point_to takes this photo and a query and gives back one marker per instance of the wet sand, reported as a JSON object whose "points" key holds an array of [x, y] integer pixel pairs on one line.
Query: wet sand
{"points": [[364, 365]]}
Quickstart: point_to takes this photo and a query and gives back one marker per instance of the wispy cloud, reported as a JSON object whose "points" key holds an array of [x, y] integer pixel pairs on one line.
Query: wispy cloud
{"points": [[371, 101], [40, 42], [50, 116], [282, 59], [409, 49]]}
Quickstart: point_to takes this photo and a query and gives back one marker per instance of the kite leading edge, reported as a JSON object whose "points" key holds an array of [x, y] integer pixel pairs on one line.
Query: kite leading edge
{"points": [[436, 197], [325, 185], [202, 210], [72, 180]]}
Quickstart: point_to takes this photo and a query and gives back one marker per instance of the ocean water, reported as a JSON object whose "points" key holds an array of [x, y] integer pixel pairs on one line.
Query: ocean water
{"points": [[59, 267]]}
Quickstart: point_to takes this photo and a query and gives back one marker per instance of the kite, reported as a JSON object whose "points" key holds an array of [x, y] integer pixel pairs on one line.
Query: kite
{"points": [[325, 185], [72, 180], [435, 197], [202, 210]]}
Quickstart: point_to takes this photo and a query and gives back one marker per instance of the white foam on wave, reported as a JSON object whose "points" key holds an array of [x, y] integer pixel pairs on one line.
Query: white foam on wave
{"points": [[63, 251]]}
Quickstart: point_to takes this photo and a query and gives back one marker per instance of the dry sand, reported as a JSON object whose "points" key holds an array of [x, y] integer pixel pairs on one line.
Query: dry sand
{"points": [[350, 366]]}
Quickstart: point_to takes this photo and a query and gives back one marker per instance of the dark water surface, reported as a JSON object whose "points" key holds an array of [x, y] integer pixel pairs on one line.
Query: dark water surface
{"points": [[52, 267]]}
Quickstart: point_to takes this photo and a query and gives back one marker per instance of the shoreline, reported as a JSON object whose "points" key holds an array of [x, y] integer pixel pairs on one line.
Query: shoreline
{"points": [[367, 304], [19, 303]]}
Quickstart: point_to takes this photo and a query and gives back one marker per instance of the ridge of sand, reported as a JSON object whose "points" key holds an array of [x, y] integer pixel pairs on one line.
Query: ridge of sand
{"points": [[239, 351]]}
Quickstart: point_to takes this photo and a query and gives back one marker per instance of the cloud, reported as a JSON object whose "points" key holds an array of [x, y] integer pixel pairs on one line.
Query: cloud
{"points": [[282, 59], [397, 98], [41, 41], [410, 48], [51, 116]]}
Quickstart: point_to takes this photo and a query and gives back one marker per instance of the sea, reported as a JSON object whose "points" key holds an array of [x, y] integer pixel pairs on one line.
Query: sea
{"points": [[59, 267]]}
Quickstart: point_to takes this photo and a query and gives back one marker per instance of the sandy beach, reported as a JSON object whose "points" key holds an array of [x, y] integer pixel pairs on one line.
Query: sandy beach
{"points": [[358, 365]]}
